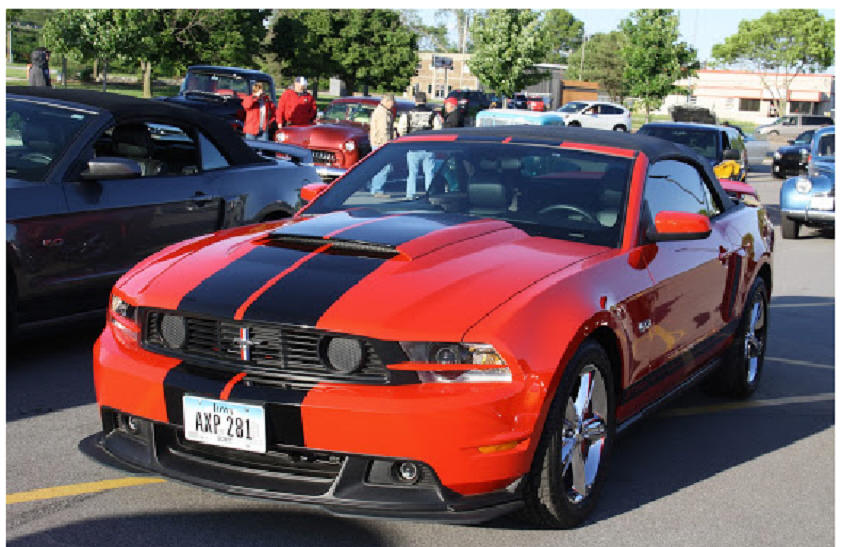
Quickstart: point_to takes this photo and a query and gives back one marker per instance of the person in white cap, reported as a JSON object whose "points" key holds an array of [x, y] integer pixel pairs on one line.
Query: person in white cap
{"points": [[297, 106]]}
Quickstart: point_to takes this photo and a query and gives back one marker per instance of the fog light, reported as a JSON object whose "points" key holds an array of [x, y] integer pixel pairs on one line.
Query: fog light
{"points": [[174, 331], [407, 472], [344, 354], [448, 355]]}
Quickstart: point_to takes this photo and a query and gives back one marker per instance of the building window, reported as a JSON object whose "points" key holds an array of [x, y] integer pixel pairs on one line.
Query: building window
{"points": [[801, 107], [749, 105], [429, 89]]}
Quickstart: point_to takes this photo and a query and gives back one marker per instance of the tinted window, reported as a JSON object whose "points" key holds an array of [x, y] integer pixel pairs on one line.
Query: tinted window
{"points": [[676, 186], [563, 194], [817, 120], [608, 109], [791, 120], [222, 84], [159, 149], [37, 134], [702, 141], [211, 157], [572, 107], [827, 145], [805, 137]]}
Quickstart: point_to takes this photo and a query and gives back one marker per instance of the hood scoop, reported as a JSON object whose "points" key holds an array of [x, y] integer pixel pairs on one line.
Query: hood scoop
{"points": [[346, 247]]}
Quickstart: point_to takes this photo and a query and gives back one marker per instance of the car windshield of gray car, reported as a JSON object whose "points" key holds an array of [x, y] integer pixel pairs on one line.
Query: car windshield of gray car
{"points": [[37, 134], [702, 141], [562, 194]]}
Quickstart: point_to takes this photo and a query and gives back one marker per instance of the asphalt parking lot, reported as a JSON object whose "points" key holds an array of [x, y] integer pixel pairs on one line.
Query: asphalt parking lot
{"points": [[704, 471]]}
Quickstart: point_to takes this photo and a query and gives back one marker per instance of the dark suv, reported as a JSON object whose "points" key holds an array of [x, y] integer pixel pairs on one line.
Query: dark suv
{"points": [[470, 101]]}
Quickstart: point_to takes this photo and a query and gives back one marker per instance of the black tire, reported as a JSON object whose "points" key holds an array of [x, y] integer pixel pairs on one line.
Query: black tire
{"points": [[778, 175], [620, 127], [574, 124], [551, 499], [773, 133], [742, 365], [789, 228]]}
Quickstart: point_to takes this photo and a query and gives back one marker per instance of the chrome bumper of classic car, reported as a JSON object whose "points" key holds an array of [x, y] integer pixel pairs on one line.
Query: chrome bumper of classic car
{"points": [[330, 173], [810, 215]]}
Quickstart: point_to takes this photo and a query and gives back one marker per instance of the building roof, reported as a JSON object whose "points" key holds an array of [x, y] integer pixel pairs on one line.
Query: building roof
{"points": [[125, 108]]}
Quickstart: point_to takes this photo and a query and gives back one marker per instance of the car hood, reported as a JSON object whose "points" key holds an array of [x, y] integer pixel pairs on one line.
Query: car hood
{"points": [[384, 276], [324, 134]]}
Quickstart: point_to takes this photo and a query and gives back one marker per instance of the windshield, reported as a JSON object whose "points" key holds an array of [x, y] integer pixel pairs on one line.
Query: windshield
{"points": [[561, 194], [37, 134], [703, 142], [804, 138], [827, 146], [354, 112], [219, 84], [572, 107]]}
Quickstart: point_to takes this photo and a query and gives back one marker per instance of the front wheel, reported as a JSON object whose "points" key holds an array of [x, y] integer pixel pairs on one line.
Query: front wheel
{"points": [[569, 467], [789, 228], [620, 127], [574, 124], [739, 374]]}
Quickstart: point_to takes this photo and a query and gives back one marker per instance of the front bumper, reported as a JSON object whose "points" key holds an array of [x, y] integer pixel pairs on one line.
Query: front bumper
{"points": [[344, 484], [442, 426], [810, 216], [329, 173]]}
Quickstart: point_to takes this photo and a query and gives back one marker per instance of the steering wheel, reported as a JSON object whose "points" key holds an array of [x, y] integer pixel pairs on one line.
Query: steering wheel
{"points": [[570, 209]]}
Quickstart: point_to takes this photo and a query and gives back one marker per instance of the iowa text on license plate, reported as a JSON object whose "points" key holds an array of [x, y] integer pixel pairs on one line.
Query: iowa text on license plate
{"points": [[224, 423]]}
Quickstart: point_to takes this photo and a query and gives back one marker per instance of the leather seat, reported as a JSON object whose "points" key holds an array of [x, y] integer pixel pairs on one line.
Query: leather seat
{"points": [[487, 195]]}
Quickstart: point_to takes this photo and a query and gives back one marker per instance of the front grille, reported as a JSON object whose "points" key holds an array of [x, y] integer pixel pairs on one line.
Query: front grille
{"points": [[324, 156], [278, 355]]}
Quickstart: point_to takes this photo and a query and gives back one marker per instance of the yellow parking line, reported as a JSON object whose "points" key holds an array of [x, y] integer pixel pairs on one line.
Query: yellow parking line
{"points": [[80, 488], [756, 403]]}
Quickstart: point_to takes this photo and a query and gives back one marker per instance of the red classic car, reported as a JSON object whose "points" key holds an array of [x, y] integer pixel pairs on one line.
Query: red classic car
{"points": [[464, 352], [340, 136]]}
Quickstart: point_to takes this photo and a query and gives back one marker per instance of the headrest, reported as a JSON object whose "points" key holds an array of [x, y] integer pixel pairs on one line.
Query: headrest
{"points": [[132, 140], [510, 164], [487, 193], [487, 165]]}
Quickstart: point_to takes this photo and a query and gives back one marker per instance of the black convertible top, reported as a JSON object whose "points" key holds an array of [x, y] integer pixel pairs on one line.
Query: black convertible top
{"points": [[124, 108], [654, 148]]}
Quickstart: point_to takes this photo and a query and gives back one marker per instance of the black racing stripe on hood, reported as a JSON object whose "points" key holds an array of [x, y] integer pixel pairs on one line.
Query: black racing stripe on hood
{"points": [[401, 229], [181, 380], [305, 294], [221, 294]]}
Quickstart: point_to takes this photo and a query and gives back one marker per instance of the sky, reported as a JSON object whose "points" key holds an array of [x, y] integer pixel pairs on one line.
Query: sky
{"points": [[701, 28]]}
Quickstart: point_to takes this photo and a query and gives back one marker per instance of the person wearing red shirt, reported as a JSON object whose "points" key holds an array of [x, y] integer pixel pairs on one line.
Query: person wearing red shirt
{"points": [[259, 112], [296, 107]]}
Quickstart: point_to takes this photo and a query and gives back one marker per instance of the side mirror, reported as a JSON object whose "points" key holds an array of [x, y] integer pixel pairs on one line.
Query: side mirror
{"points": [[791, 141], [107, 167], [311, 191], [678, 226], [731, 154]]}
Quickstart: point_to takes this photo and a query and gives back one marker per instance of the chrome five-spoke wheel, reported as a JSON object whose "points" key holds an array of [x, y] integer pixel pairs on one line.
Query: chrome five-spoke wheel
{"points": [[583, 434]]}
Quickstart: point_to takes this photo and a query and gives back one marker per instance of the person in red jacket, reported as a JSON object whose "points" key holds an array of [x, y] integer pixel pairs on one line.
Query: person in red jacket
{"points": [[259, 113], [296, 107]]}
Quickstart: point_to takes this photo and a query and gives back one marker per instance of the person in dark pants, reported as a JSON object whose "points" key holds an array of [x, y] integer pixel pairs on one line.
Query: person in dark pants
{"points": [[453, 116], [39, 71]]}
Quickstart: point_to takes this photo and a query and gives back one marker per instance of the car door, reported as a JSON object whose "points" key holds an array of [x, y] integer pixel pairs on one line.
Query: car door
{"points": [[115, 223], [692, 289]]}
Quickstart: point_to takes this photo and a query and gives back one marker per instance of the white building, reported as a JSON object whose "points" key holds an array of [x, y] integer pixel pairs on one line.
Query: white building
{"points": [[743, 96]]}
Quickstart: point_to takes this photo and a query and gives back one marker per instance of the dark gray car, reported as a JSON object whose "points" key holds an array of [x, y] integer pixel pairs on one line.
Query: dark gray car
{"points": [[95, 182]]}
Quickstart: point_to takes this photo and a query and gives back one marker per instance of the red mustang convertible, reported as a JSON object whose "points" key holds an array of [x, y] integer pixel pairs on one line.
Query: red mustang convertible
{"points": [[457, 328]]}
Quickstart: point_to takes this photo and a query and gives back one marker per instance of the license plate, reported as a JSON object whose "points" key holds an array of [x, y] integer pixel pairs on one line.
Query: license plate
{"points": [[823, 203], [223, 423]]}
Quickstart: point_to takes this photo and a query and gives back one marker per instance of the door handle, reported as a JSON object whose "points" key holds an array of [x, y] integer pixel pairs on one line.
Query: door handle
{"points": [[200, 198]]}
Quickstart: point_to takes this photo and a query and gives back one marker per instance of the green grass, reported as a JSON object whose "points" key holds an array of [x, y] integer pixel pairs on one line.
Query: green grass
{"points": [[135, 90]]}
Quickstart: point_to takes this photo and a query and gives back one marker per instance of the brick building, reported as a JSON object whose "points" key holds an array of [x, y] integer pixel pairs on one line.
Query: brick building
{"points": [[436, 82]]}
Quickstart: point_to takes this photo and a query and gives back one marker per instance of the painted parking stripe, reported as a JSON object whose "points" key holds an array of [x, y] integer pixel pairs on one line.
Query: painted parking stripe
{"points": [[79, 488], [757, 403], [798, 362]]}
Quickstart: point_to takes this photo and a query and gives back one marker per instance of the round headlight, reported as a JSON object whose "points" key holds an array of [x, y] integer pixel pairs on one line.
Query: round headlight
{"points": [[173, 331], [447, 355], [350, 146], [777, 155], [281, 137], [344, 354], [803, 185]]}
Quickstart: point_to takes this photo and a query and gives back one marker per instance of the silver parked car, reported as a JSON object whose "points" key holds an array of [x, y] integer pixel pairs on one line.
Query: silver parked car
{"points": [[792, 125]]}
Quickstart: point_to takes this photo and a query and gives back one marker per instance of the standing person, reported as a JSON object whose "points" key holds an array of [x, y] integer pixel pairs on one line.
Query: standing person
{"points": [[419, 118], [297, 106], [381, 131], [39, 71], [453, 116], [259, 112]]}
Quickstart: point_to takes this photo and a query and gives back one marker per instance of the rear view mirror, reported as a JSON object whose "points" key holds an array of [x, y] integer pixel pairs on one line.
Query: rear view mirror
{"points": [[678, 226], [731, 154], [309, 192], [107, 167]]}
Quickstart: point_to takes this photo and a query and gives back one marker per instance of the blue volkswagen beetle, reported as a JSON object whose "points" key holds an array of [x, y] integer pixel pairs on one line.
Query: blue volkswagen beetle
{"points": [[810, 199]]}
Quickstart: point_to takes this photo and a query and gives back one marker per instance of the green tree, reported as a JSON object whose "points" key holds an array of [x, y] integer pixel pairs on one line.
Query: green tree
{"points": [[507, 44], [23, 24], [462, 18], [787, 43], [598, 61], [654, 57], [430, 37], [563, 33], [300, 40]]}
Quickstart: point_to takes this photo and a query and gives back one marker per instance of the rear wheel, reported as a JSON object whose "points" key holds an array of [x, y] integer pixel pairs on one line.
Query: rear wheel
{"points": [[773, 133], [789, 228], [620, 127], [574, 124], [740, 373], [569, 466]]}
